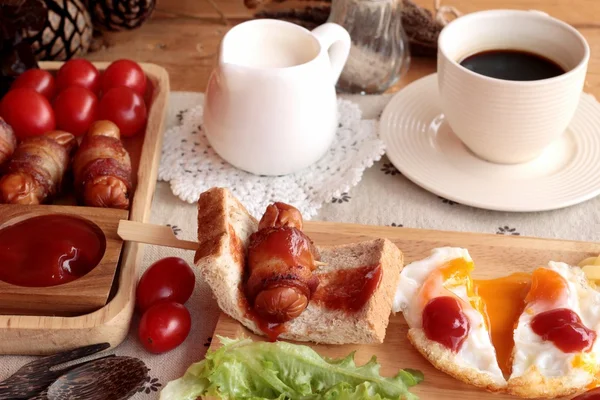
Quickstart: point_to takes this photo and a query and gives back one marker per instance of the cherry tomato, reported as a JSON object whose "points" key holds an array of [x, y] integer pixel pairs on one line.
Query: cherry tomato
{"points": [[75, 109], [27, 112], [164, 326], [169, 279], [124, 73], [125, 108], [78, 72], [37, 79]]}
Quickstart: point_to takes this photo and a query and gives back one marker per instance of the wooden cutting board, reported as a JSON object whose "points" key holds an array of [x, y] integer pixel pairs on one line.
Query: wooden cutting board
{"points": [[494, 256]]}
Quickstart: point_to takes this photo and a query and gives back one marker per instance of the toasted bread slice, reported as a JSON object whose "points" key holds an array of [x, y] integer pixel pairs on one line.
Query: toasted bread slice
{"points": [[224, 227]]}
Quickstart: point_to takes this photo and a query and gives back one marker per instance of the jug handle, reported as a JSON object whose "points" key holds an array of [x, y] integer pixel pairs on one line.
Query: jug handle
{"points": [[336, 41]]}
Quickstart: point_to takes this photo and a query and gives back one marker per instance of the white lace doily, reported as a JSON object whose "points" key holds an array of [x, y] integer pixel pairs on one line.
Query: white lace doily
{"points": [[191, 165]]}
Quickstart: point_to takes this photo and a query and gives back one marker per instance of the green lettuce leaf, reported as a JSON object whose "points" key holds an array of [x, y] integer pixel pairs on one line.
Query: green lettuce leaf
{"points": [[243, 369]]}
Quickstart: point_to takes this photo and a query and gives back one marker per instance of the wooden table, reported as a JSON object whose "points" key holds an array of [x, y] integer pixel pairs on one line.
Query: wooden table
{"points": [[184, 35]]}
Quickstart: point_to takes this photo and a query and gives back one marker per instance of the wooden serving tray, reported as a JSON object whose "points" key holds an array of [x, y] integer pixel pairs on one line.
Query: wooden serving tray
{"points": [[39, 335], [494, 256]]}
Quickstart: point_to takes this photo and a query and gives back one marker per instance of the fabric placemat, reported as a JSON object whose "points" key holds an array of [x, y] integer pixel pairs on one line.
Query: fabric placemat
{"points": [[191, 165], [383, 197]]}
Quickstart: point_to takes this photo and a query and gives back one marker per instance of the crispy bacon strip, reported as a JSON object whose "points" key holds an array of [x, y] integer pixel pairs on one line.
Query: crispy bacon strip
{"points": [[281, 261], [36, 171], [8, 142], [102, 168]]}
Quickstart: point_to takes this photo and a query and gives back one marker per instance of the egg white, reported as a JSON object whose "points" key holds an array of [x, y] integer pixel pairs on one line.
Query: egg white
{"points": [[532, 350], [477, 351]]}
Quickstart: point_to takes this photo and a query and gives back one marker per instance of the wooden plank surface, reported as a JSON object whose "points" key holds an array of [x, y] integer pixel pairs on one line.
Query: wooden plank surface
{"points": [[183, 36], [494, 256]]}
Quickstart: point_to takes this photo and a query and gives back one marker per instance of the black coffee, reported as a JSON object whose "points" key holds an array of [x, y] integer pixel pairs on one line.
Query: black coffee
{"points": [[512, 65]]}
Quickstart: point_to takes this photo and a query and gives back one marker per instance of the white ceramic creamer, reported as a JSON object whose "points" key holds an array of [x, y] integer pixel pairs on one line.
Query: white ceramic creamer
{"points": [[270, 105]]}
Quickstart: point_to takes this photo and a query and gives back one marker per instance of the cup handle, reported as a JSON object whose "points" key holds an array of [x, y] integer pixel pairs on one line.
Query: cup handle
{"points": [[336, 41]]}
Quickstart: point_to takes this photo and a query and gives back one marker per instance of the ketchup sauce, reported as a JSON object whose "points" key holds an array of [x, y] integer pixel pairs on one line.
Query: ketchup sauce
{"points": [[445, 322], [593, 394], [564, 328], [49, 250], [270, 329], [348, 289]]}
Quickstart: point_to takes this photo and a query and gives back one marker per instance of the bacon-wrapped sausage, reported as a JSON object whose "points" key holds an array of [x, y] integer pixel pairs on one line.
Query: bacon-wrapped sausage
{"points": [[36, 171], [8, 142], [281, 261], [102, 168]]}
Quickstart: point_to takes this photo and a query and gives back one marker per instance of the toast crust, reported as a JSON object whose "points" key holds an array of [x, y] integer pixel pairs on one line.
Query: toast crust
{"points": [[224, 228]]}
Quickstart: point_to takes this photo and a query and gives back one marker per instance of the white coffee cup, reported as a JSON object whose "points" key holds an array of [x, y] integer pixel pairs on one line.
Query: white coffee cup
{"points": [[506, 121], [270, 105]]}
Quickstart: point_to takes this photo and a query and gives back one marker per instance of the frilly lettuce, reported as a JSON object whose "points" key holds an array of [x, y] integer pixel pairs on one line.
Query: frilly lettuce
{"points": [[243, 369]]}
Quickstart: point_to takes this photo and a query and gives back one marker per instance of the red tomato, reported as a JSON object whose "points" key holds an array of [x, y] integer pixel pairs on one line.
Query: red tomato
{"points": [[37, 79], [78, 72], [169, 279], [125, 108], [75, 109], [124, 73], [28, 112], [164, 326]]}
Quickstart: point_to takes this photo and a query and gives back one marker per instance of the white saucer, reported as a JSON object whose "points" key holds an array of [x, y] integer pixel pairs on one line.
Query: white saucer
{"points": [[422, 146]]}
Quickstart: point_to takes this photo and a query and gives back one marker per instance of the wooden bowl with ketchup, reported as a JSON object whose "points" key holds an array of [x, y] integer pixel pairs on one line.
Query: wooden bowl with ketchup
{"points": [[57, 260], [66, 278]]}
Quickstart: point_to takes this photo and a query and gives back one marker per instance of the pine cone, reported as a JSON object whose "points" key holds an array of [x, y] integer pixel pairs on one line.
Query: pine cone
{"points": [[120, 15], [67, 32]]}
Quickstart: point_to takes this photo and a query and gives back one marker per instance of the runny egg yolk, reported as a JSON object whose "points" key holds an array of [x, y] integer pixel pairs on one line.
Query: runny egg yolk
{"points": [[547, 286], [504, 301], [454, 273]]}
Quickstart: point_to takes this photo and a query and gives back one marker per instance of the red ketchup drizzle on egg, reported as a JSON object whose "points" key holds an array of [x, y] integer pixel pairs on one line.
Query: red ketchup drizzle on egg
{"points": [[445, 322], [564, 328], [593, 394]]}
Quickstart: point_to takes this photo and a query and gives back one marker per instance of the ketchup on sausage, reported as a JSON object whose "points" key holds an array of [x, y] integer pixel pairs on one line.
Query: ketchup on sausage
{"points": [[564, 328], [49, 250], [445, 322]]}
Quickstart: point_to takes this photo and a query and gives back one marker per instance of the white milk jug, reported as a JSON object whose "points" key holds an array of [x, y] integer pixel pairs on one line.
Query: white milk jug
{"points": [[270, 105]]}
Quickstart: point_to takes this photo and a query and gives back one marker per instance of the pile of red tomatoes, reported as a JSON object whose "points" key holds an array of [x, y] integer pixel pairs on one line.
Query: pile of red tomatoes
{"points": [[75, 97]]}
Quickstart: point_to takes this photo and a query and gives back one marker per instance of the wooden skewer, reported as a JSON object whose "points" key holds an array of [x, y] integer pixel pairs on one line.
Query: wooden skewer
{"points": [[159, 235]]}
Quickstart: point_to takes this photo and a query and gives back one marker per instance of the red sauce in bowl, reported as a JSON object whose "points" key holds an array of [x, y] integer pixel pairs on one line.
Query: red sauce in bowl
{"points": [[49, 250]]}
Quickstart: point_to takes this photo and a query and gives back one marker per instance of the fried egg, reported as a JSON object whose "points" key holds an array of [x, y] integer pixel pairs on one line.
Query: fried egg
{"points": [[557, 286], [501, 343], [447, 272]]}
